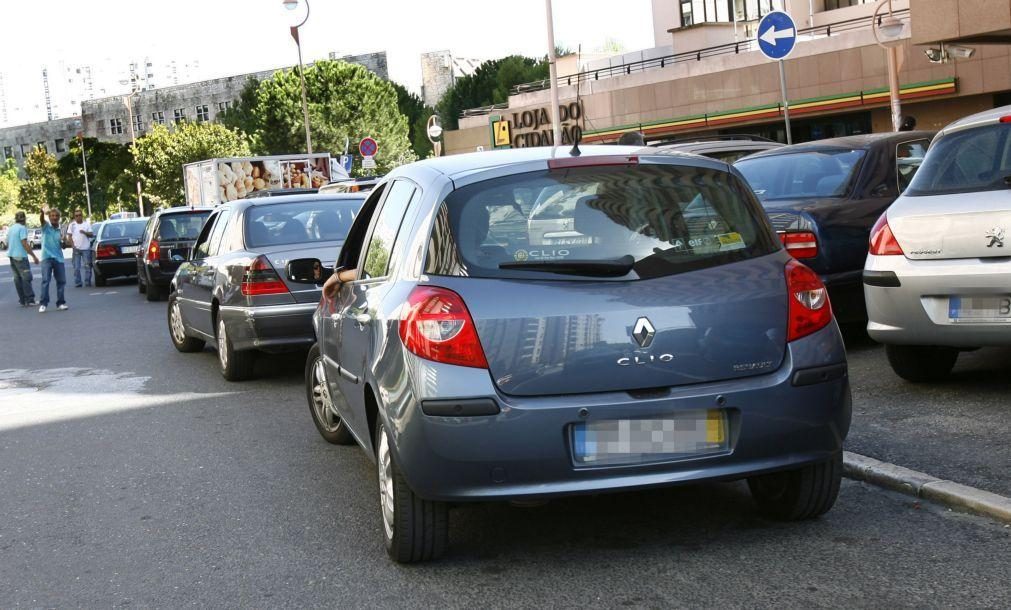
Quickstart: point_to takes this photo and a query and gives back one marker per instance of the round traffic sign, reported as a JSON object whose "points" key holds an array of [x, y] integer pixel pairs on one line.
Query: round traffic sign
{"points": [[777, 35], [368, 147]]}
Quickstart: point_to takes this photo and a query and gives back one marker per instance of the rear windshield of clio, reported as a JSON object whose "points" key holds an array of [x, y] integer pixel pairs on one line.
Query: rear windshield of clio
{"points": [[619, 223]]}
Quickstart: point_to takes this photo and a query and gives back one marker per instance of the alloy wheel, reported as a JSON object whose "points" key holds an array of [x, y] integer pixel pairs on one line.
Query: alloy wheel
{"points": [[385, 464], [176, 323], [222, 345], [321, 399]]}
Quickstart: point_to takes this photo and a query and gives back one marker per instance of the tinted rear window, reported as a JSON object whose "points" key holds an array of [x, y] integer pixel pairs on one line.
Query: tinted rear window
{"points": [[977, 159], [801, 175], [668, 219], [131, 229], [185, 225], [303, 222]]}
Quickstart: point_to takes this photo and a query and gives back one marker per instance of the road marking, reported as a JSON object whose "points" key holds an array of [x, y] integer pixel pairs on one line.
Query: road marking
{"points": [[921, 485]]}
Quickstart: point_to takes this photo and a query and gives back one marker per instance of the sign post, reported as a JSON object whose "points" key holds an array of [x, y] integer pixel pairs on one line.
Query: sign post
{"points": [[777, 35], [368, 148]]}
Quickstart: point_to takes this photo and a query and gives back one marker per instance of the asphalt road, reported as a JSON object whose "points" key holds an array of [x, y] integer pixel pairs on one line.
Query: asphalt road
{"points": [[134, 475]]}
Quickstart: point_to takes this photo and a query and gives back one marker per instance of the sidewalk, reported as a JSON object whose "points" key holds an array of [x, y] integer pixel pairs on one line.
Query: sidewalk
{"points": [[959, 429]]}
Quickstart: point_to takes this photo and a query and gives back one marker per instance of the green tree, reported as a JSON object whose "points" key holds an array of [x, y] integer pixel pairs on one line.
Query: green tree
{"points": [[346, 101], [417, 114], [489, 84], [110, 176], [41, 185], [240, 117], [10, 186], [161, 154]]}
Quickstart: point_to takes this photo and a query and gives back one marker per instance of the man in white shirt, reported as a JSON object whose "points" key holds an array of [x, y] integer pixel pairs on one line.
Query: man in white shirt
{"points": [[80, 234]]}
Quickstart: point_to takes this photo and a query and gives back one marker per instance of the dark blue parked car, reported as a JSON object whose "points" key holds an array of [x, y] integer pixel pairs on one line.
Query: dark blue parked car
{"points": [[823, 198], [528, 324]]}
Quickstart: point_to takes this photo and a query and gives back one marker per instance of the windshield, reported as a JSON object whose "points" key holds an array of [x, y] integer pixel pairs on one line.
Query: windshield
{"points": [[309, 221], [598, 223], [977, 159], [186, 225], [131, 229], [802, 175]]}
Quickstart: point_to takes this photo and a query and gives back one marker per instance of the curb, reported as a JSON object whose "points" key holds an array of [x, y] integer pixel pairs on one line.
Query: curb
{"points": [[914, 483]]}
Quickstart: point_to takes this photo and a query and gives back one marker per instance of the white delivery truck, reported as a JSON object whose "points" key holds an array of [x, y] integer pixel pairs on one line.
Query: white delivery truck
{"points": [[214, 181]]}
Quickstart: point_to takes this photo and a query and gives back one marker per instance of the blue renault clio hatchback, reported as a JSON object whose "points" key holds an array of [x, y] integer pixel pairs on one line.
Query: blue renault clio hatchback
{"points": [[526, 324]]}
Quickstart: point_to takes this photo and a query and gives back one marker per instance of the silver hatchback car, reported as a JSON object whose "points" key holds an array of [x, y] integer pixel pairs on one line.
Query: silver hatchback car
{"points": [[666, 338], [938, 274]]}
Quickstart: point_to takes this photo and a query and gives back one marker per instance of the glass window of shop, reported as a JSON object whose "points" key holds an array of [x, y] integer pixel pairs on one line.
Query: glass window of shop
{"points": [[724, 11]]}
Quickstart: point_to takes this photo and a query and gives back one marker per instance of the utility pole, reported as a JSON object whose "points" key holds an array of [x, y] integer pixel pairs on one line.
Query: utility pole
{"points": [[556, 127], [127, 99], [84, 161]]}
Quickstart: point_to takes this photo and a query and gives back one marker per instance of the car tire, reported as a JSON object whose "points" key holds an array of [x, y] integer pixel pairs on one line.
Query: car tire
{"points": [[795, 495], [234, 365], [332, 428], [100, 280], [921, 363], [153, 293], [414, 529], [177, 330]]}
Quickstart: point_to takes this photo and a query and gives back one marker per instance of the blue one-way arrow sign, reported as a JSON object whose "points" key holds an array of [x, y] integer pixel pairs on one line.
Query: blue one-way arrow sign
{"points": [[777, 35]]}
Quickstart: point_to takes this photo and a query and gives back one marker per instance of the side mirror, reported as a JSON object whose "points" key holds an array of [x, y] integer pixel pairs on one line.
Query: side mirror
{"points": [[882, 190], [307, 271]]}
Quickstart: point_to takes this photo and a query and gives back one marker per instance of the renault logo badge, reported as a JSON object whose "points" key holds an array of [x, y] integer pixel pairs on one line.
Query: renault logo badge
{"points": [[643, 332]]}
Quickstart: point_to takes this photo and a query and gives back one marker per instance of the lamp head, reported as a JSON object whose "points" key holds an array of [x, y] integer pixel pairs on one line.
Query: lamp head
{"points": [[890, 27], [290, 4]]}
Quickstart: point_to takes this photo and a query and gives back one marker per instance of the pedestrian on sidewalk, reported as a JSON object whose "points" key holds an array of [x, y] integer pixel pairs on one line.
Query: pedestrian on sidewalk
{"points": [[18, 250], [52, 259], [80, 236]]}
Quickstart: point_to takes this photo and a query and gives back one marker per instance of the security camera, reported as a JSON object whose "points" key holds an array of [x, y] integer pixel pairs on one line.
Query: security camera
{"points": [[960, 52], [936, 55]]}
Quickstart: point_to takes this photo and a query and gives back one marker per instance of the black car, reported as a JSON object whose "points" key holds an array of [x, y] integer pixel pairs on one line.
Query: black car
{"points": [[168, 238], [726, 148], [114, 248], [240, 290], [823, 198]]}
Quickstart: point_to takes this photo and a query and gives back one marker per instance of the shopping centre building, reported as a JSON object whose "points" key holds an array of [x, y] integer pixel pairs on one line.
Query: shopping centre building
{"points": [[705, 75]]}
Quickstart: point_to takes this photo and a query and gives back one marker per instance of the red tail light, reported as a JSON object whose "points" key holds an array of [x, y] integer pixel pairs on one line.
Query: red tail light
{"points": [[436, 325], [106, 251], [152, 251], [810, 310], [261, 279], [883, 242], [800, 244]]}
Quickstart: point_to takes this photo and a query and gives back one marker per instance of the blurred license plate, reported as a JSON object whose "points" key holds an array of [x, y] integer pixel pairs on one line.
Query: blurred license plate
{"points": [[128, 249], [979, 309], [638, 441]]}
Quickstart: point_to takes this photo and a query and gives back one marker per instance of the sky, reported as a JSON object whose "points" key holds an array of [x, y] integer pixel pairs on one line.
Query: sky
{"points": [[238, 36]]}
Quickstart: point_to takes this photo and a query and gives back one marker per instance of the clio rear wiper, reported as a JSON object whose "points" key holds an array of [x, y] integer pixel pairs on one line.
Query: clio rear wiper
{"points": [[599, 268]]}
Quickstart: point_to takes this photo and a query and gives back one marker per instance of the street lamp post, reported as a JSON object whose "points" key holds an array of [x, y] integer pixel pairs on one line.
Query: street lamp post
{"points": [[434, 132], [128, 101], [890, 28], [292, 5]]}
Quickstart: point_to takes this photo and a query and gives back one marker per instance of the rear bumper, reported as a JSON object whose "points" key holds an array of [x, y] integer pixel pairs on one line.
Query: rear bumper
{"points": [[916, 311], [270, 328], [157, 275], [116, 267], [525, 451]]}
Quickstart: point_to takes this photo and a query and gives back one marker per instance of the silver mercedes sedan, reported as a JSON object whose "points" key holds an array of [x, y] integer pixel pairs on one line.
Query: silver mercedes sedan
{"points": [[938, 274]]}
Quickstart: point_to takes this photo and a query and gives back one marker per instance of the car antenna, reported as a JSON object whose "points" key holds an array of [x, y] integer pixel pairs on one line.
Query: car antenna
{"points": [[575, 152]]}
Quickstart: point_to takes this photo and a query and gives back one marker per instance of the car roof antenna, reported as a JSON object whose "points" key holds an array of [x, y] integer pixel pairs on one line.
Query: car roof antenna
{"points": [[575, 152]]}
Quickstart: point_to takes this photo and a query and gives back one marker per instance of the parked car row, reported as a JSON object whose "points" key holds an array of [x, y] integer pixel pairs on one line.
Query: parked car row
{"points": [[534, 323]]}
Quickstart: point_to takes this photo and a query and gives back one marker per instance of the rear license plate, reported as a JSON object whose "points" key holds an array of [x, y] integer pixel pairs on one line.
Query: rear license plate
{"points": [[128, 249], [639, 441], [179, 254], [979, 310]]}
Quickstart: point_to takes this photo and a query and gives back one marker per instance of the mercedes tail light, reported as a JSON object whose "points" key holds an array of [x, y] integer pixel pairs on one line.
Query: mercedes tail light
{"points": [[152, 251], [260, 279], [106, 251], [883, 242], [436, 325], [810, 310], [800, 244]]}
